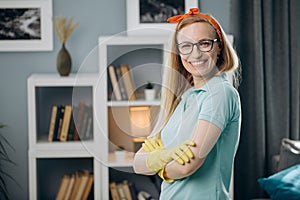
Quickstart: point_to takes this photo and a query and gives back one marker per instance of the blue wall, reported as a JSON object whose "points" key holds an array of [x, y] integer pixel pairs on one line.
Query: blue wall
{"points": [[96, 17]]}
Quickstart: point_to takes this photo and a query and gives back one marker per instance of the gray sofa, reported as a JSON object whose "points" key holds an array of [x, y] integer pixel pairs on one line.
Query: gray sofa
{"points": [[285, 181], [289, 155]]}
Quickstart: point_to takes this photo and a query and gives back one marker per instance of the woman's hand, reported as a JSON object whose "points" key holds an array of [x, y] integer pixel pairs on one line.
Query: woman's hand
{"points": [[152, 144], [181, 153]]}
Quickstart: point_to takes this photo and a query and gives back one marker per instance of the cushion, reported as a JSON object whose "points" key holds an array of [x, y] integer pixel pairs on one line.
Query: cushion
{"points": [[283, 185]]}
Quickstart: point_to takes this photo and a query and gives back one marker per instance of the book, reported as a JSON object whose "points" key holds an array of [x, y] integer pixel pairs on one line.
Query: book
{"points": [[114, 191], [114, 82], [66, 123], [121, 83], [133, 190], [128, 81], [84, 123], [70, 187], [63, 187], [84, 177], [88, 187], [58, 122], [72, 123], [52, 123], [89, 124], [76, 185], [126, 190], [78, 123], [121, 191]]}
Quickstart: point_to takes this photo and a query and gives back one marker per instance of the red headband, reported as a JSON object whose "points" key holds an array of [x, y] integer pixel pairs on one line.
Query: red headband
{"points": [[195, 12]]}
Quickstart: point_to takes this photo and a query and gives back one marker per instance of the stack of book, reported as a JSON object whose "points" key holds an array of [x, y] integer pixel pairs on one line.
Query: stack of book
{"points": [[75, 186], [121, 78], [69, 122], [122, 191]]}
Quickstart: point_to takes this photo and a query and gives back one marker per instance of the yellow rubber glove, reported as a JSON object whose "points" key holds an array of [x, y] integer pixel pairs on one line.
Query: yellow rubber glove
{"points": [[161, 174], [181, 153], [152, 144]]}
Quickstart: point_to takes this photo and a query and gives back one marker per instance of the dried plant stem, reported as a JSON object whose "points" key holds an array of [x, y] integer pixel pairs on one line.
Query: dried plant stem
{"points": [[64, 31]]}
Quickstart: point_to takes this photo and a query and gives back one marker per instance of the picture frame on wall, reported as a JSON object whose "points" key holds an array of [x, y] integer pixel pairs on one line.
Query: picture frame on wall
{"points": [[26, 25], [149, 17]]}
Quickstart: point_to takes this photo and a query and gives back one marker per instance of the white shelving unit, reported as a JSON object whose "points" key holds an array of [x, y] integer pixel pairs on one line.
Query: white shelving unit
{"points": [[146, 56], [48, 161]]}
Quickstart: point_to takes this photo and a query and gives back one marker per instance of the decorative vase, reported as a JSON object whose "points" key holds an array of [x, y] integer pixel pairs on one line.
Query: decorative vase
{"points": [[150, 94], [63, 61]]}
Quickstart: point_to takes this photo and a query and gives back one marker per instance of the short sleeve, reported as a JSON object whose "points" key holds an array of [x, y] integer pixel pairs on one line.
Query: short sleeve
{"points": [[219, 105]]}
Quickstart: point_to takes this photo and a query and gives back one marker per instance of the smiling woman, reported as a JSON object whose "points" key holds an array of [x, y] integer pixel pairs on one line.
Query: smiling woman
{"points": [[193, 145]]}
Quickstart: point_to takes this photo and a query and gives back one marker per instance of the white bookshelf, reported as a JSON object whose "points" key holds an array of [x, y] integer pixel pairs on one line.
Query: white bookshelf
{"points": [[135, 51], [49, 161]]}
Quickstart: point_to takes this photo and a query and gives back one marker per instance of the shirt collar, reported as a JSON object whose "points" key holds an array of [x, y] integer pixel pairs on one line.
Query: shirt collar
{"points": [[214, 80]]}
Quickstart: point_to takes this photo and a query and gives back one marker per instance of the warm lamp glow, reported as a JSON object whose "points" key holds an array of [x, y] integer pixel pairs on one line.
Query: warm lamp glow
{"points": [[140, 121]]}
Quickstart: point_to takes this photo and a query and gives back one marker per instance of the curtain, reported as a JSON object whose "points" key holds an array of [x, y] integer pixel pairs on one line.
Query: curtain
{"points": [[267, 39]]}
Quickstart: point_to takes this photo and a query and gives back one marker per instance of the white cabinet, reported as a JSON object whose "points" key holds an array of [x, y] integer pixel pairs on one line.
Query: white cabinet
{"points": [[49, 161], [120, 119]]}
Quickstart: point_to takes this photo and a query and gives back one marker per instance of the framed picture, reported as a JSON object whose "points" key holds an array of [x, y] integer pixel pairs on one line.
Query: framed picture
{"points": [[26, 25], [145, 17]]}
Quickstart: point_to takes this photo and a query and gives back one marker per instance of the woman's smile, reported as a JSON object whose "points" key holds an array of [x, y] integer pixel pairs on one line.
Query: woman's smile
{"points": [[198, 63]]}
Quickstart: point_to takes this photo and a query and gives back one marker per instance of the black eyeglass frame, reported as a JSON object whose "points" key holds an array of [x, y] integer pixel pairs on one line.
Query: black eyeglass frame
{"points": [[212, 41]]}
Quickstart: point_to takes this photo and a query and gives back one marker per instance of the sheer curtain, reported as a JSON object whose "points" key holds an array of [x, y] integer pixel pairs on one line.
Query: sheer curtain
{"points": [[267, 38]]}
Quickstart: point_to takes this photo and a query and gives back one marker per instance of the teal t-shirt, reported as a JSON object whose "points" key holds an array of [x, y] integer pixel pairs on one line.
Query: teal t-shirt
{"points": [[217, 102]]}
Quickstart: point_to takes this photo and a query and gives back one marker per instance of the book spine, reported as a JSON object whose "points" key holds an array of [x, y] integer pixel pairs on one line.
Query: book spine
{"points": [[70, 187], [121, 84], [66, 123], [114, 82], [63, 187], [72, 123], [76, 185], [88, 187], [61, 118], [133, 190], [128, 81], [121, 191], [58, 122], [78, 123], [126, 190], [83, 182], [52, 123], [89, 126], [113, 191], [84, 124]]}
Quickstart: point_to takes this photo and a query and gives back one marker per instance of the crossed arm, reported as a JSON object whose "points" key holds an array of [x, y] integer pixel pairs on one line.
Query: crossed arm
{"points": [[205, 136]]}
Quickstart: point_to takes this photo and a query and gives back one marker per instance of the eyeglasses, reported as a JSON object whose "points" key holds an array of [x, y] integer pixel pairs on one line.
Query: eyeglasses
{"points": [[185, 48]]}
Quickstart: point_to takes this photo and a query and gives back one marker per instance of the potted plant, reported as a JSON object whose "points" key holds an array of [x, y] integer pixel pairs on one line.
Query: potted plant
{"points": [[4, 158], [150, 91]]}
